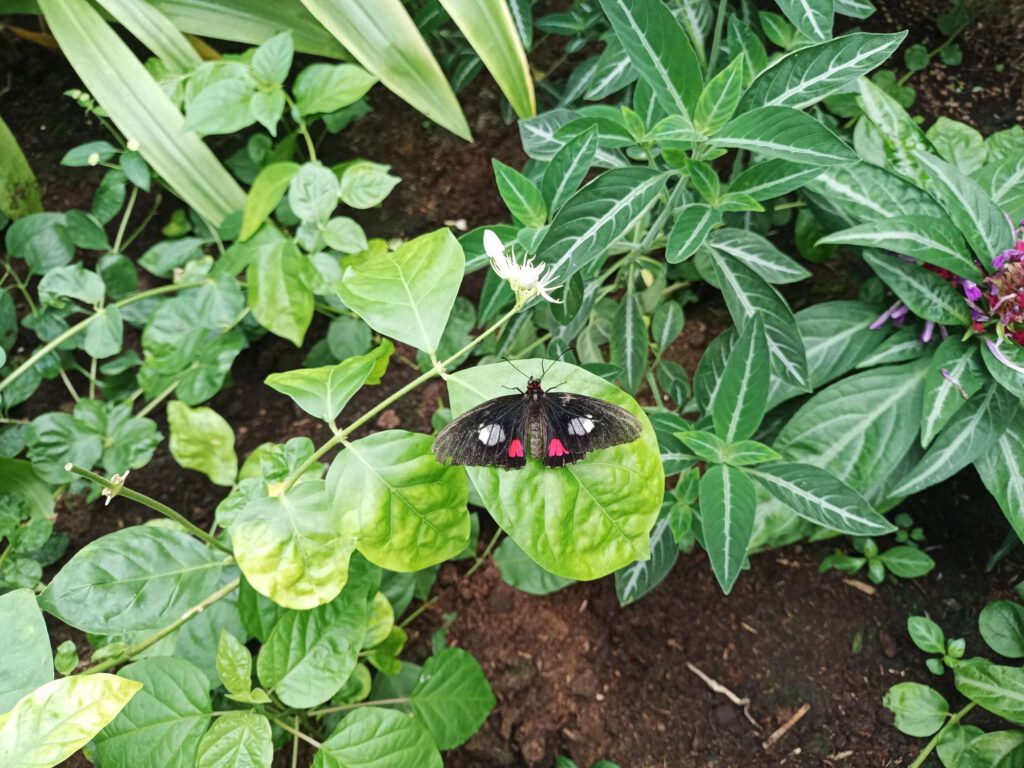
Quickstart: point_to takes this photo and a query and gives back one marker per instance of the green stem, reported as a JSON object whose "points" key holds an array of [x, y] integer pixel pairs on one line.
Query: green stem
{"points": [[930, 746], [295, 745], [93, 365], [77, 328], [296, 732], [436, 369], [716, 38], [652, 382], [417, 613], [478, 563], [310, 146], [22, 288], [141, 498], [5, 553], [157, 200], [160, 634], [119, 238], [347, 707], [149, 407]]}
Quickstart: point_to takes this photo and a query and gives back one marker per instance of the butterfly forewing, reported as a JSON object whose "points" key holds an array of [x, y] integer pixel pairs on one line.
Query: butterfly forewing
{"points": [[575, 424], [492, 434]]}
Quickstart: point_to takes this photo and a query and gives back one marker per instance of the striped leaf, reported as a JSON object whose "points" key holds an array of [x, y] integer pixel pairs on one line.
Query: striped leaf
{"points": [[784, 133], [813, 18], [690, 231], [758, 254], [728, 501], [567, 169], [742, 393], [628, 342], [853, 194], [773, 178], [636, 580], [956, 373], [156, 32], [1002, 473], [928, 295]]}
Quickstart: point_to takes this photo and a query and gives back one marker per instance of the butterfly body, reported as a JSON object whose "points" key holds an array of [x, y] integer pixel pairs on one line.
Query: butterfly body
{"points": [[558, 428]]}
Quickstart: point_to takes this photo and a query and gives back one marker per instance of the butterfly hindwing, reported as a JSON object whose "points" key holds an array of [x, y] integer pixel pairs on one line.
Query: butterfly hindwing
{"points": [[575, 424], [492, 434]]}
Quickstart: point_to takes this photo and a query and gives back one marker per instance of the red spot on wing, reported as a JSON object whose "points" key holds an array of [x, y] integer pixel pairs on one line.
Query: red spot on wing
{"points": [[515, 449], [555, 448]]}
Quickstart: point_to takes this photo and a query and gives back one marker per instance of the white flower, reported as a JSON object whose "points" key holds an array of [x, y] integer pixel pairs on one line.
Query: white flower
{"points": [[133, 145], [93, 159], [526, 279], [118, 482]]}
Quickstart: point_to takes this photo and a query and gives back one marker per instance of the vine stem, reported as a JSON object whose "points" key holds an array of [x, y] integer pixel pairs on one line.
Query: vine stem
{"points": [[160, 634], [930, 746], [436, 369], [296, 732], [418, 612], [158, 506], [478, 564], [347, 707], [78, 327]]}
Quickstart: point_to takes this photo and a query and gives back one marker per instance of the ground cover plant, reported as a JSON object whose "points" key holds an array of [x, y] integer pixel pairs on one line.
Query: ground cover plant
{"points": [[664, 171]]}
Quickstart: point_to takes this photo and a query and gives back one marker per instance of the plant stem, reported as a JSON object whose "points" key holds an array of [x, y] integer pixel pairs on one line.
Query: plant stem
{"points": [[152, 404], [69, 386], [930, 746], [119, 238], [141, 498], [21, 287], [437, 368], [716, 38], [310, 146], [296, 732], [347, 707], [479, 562], [295, 745], [160, 634], [93, 364], [417, 613], [77, 328], [157, 200]]}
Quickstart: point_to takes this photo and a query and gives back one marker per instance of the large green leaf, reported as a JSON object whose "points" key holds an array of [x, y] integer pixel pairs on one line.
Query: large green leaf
{"points": [[742, 393], [956, 373], [926, 293], [408, 293], [1003, 181], [292, 548], [142, 577], [19, 190], [155, 31], [997, 749], [163, 723], [375, 737], [27, 663], [489, 27], [588, 519], [57, 719], [1001, 624], [772, 178], [138, 107], [382, 36], [897, 135], [1001, 471], [728, 501], [813, 18], [519, 571], [852, 194], [237, 740], [629, 345], [807, 75], [567, 169], [310, 654], [660, 50], [406, 511], [784, 133], [919, 710], [596, 216], [757, 253], [452, 697], [997, 688], [279, 290], [202, 440]]}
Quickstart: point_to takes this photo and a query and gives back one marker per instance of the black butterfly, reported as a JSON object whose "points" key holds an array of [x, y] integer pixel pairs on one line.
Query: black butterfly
{"points": [[558, 427]]}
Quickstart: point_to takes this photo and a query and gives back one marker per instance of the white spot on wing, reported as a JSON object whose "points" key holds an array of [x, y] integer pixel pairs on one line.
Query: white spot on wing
{"points": [[491, 434], [580, 425]]}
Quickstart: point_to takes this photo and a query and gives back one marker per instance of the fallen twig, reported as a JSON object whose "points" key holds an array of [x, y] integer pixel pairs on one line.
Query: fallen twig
{"points": [[717, 687], [867, 589], [783, 729]]}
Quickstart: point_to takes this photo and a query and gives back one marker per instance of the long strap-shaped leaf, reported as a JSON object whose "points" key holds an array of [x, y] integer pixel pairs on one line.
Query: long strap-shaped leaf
{"points": [[382, 36], [140, 109], [489, 27], [155, 31]]}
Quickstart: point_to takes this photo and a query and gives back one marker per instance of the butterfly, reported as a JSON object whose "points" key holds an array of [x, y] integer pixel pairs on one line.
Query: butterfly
{"points": [[558, 427]]}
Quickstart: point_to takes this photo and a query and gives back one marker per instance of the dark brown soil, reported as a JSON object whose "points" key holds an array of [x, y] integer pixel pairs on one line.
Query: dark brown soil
{"points": [[574, 673]]}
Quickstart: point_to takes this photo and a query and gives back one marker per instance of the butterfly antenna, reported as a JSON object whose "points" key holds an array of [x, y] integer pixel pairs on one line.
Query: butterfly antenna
{"points": [[561, 354], [517, 368]]}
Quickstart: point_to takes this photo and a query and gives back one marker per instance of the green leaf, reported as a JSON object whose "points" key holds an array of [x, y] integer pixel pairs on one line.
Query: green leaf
{"points": [[813, 18], [757, 253], [979, 220], [637, 579], [202, 440], [690, 230], [313, 192], [628, 344], [998, 749], [747, 295], [967, 436], [292, 548], [54, 721], [1002, 473], [706, 445], [958, 144], [926, 293], [365, 184], [523, 198], [746, 452], [784, 133], [742, 393], [237, 740], [926, 634], [1001, 624], [519, 571], [407, 294], [73, 282], [234, 664], [592, 517], [717, 103], [597, 216], [222, 107], [897, 135], [821, 498], [279, 295], [806, 76], [954, 376], [26, 663], [373, 736], [566, 170], [907, 562], [407, 511], [863, 192], [772, 178], [272, 60], [310, 654], [994, 687], [920, 711], [324, 392], [265, 193], [660, 50], [42, 240], [382, 36], [666, 324], [163, 723], [452, 697], [345, 235], [728, 501], [138, 107], [324, 88], [19, 190], [141, 577], [1002, 182]]}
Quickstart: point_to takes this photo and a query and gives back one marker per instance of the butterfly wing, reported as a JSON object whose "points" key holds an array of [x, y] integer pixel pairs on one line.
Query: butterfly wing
{"points": [[493, 434], [575, 424]]}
